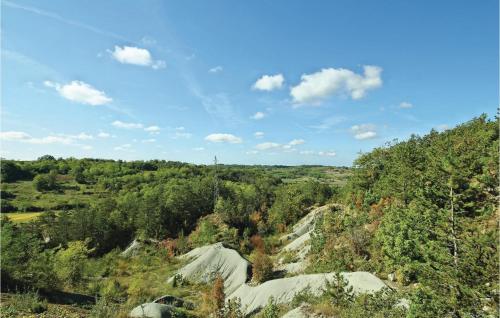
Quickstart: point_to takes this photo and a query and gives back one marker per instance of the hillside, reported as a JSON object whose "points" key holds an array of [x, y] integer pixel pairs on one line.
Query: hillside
{"points": [[417, 219]]}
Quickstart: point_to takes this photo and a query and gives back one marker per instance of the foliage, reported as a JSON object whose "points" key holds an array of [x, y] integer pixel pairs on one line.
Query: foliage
{"points": [[262, 269], [27, 302], [70, 262], [46, 182], [339, 291], [271, 310]]}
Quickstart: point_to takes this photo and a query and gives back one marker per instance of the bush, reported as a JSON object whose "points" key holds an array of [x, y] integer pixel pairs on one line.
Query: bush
{"points": [[27, 302], [262, 266], [271, 310], [46, 182]]}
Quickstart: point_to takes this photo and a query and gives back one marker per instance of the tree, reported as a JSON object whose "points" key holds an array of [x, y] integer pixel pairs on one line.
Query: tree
{"points": [[70, 262], [339, 290], [46, 182]]}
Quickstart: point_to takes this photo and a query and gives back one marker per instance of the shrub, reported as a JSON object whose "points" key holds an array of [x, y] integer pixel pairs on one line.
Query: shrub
{"points": [[271, 310], [27, 302], [262, 266], [70, 262], [339, 291]]}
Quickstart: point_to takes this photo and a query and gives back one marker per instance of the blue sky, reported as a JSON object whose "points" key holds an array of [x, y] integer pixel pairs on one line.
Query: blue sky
{"points": [[260, 82]]}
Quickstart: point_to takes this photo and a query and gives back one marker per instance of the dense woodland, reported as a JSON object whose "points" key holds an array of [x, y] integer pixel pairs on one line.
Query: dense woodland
{"points": [[424, 210]]}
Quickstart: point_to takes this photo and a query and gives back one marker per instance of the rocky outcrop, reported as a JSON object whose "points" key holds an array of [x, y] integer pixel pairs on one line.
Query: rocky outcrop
{"points": [[253, 298], [153, 310], [207, 261]]}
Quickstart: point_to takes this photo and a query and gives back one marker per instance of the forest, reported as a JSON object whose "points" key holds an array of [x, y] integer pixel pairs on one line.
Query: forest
{"points": [[420, 214]]}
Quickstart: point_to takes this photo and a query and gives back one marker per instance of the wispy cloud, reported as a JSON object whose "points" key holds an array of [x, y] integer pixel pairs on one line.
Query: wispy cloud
{"points": [[405, 105], [216, 69], [59, 18], [258, 115], [222, 137], [125, 125]]}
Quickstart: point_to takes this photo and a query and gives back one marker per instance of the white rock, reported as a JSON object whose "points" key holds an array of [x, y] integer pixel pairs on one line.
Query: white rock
{"points": [[284, 289], [152, 310], [207, 261]]}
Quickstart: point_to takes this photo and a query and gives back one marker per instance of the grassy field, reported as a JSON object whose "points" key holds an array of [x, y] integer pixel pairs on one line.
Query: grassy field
{"points": [[22, 216]]}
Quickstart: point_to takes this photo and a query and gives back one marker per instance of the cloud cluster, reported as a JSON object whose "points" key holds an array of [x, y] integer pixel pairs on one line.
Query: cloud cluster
{"points": [[227, 138], [277, 146], [316, 87], [269, 82], [135, 56], [62, 139], [364, 131], [80, 92]]}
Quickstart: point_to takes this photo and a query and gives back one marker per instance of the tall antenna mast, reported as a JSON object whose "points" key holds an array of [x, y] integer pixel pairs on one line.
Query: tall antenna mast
{"points": [[216, 182]]}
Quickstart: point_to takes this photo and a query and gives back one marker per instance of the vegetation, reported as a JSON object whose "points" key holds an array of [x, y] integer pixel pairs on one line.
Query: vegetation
{"points": [[423, 210]]}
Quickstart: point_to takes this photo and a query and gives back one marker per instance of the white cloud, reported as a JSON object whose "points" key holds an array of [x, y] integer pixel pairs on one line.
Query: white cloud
{"points": [[14, 135], [258, 134], [87, 147], [82, 136], [80, 92], [296, 142], [125, 147], [252, 152], [198, 149], [327, 153], [216, 69], [180, 135], [405, 105], [306, 152], [364, 131], [152, 129], [103, 135], [269, 82], [148, 140], [223, 138], [258, 115], [316, 87], [121, 124], [51, 139], [268, 145], [136, 56]]}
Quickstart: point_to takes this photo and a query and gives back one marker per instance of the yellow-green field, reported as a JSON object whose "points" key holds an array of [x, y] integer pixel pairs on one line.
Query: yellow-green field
{"points": [[22, 217]]}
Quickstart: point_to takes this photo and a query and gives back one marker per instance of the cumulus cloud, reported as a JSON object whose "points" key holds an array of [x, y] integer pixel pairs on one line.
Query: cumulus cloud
{"points": [[80, 92], [258, 134], [364, 131], [316, 87], [216, 69], [136, 56], [124, 125], [258, 115], [405, 105], [269, 82], [229, 138]]}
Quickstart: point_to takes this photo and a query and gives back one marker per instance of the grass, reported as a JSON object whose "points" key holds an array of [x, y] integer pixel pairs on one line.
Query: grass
{"points": [[22, 217]]}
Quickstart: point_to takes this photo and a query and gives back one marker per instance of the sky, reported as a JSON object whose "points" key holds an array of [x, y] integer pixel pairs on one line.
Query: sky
{"points": [[251, 82]]}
